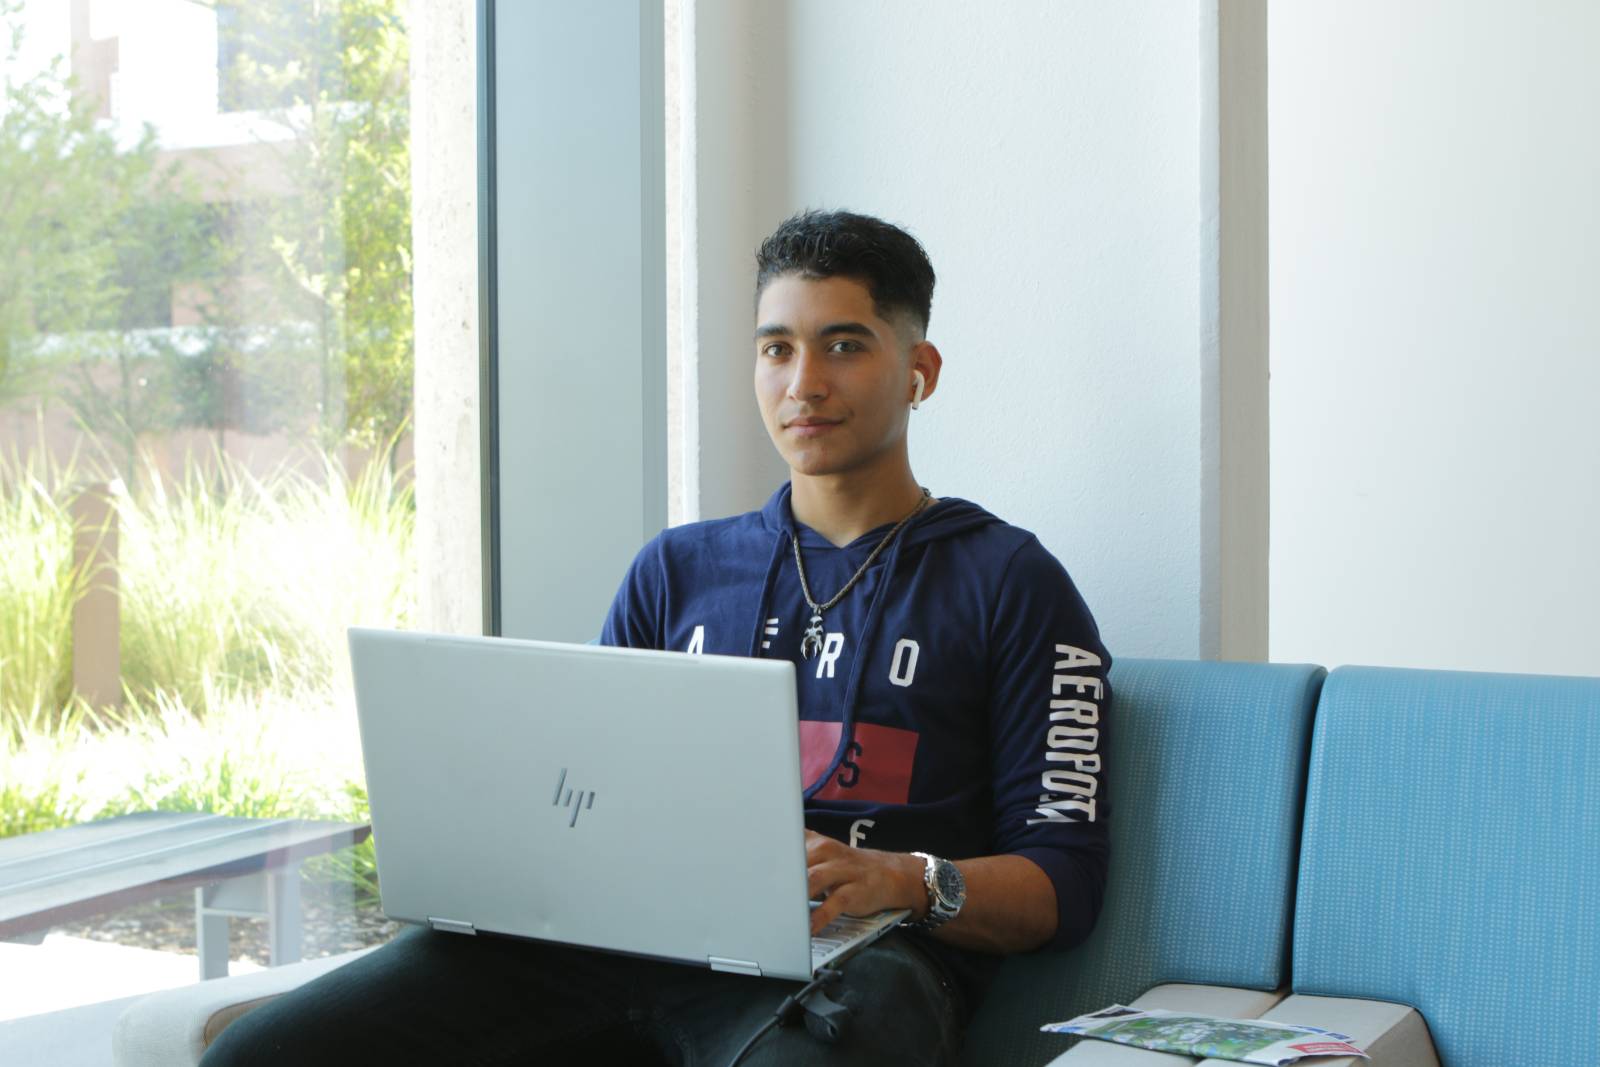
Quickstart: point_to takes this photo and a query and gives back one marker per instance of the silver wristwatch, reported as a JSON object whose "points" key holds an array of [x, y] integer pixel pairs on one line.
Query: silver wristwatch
{"points": [[947, 891]]}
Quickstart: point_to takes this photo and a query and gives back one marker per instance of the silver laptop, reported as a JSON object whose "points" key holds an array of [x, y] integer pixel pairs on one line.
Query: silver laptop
{"points": [[631, 801]]}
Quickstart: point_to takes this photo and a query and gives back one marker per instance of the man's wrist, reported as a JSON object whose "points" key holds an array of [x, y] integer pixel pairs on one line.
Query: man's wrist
{"points": [[914, 884]]}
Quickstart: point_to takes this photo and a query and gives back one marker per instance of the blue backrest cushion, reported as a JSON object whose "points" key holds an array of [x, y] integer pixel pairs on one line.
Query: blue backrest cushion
{"points": [[1451, 858], [1205, 769]]}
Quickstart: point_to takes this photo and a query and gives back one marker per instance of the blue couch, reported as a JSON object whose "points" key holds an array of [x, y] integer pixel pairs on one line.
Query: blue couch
{"points": [[1319, 847], [1292, 844]]}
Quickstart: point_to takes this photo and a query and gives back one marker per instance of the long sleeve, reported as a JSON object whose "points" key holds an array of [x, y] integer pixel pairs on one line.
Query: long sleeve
{"points": [[1049, 699]]}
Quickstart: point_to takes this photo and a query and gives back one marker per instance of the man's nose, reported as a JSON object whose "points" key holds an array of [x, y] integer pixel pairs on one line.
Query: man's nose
{"points": [[808, 382]]}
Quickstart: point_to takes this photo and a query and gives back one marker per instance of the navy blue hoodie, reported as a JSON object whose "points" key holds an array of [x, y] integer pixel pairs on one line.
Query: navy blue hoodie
{"points": [[958, 705]]}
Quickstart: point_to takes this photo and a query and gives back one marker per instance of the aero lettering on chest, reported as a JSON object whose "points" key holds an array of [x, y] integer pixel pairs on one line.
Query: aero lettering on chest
{"points": [[902, 662]]}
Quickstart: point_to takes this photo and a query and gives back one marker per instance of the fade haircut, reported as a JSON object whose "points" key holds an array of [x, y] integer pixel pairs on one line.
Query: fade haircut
{"points": [[841, 244]]}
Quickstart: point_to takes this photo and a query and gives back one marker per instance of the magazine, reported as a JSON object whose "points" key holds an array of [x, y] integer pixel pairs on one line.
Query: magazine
{"points": [[1244, 1040]]}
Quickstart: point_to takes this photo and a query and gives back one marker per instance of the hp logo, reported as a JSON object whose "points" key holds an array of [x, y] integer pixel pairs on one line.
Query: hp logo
{"points": [[577, 800]]}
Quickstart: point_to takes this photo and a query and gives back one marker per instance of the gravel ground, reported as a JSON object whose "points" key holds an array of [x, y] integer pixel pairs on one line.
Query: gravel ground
{"points": [[332, 925]]}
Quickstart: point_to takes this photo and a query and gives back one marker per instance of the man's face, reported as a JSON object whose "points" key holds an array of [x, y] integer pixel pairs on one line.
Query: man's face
{"points": [[832, 378]]}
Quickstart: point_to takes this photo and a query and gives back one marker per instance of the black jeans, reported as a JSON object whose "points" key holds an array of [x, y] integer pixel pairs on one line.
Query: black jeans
{"points": [[431, 998]]}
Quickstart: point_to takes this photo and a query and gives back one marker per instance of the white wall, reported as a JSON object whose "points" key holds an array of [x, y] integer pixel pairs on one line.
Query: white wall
{"points": [[1435, 275], [1049, 157]]}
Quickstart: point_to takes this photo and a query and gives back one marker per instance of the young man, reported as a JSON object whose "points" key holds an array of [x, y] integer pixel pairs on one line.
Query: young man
{"points": [[953, 698]]}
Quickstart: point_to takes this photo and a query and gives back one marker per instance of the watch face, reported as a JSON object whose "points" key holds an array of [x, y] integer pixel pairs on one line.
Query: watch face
{"points": [[949, 884]]}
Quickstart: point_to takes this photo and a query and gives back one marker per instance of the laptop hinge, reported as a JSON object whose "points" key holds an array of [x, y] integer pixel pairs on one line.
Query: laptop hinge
{"points": [[451, 926], [719, 963]]}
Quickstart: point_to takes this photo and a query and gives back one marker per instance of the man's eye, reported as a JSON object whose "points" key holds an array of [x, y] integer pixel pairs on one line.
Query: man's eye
{"points": [[846, 346], [773, 351]]}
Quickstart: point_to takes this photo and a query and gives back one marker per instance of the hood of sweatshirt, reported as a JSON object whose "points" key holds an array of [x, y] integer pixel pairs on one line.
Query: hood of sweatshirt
{"points": [[945, 518]]}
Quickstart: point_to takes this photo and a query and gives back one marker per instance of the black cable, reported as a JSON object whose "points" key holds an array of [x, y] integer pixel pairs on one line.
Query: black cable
{"points": [[750, 1043], [791, 1008]]}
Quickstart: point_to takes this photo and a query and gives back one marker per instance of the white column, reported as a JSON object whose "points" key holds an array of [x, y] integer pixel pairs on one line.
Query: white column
{"points": [[1233, 287], [444, 229]]}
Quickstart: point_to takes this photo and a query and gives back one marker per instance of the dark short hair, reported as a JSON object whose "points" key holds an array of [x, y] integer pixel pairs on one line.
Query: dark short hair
{"points": [[841, 244]]}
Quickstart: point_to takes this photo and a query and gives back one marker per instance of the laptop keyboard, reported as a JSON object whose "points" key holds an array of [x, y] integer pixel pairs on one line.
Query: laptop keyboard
{"points": [[841, 931]]}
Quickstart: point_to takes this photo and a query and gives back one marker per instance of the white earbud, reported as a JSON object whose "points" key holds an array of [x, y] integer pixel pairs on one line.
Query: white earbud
{"points": [[916, 393]]}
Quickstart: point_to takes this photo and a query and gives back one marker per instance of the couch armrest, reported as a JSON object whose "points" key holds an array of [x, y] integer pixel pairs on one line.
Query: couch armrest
{"points": [[174, 1027], [1225, 1001], [1392, 1035]]}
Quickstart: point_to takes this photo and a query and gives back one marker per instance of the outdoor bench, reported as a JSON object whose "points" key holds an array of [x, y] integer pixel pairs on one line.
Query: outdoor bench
{"points": [[237, 867]]}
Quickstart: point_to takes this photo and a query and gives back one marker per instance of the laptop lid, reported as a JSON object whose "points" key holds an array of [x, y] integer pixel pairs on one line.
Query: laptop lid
{"points": [[635, 801]]}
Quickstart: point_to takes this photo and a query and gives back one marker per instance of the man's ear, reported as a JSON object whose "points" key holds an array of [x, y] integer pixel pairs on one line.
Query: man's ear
{"points": [[925, 359]]}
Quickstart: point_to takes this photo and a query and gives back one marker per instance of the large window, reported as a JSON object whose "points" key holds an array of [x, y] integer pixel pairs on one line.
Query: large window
{"points": [[206, 347]]}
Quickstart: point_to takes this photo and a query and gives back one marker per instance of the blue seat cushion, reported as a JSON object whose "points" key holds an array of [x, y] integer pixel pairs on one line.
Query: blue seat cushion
{"points": [[1205, 767], [1451, 858]]}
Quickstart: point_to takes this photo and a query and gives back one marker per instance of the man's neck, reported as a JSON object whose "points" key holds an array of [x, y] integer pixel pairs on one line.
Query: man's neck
{"points": [[842, 507]]}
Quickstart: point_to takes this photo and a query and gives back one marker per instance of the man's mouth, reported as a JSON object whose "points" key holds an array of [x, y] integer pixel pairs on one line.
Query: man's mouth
{"points": [[810, 426]]}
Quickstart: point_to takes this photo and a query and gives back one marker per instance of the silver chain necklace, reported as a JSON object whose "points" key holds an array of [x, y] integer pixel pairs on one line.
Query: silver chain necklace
{"points": [[811, 643]]}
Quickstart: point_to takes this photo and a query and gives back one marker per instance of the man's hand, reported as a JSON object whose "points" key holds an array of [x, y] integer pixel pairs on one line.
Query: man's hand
{"points": [[1011, 903], [860, 881]]}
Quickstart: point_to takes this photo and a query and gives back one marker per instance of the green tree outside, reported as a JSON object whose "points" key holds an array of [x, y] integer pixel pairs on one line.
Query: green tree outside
{"points": [[306, 305], [337, 74]]}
